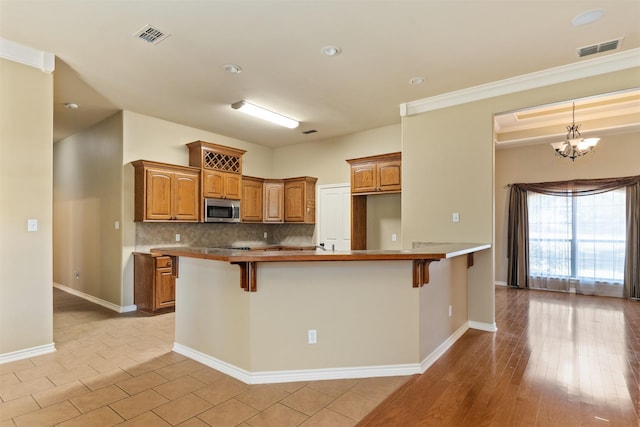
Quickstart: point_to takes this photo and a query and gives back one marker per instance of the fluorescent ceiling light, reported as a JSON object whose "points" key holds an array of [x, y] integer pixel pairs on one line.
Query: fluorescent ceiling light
{"points": [[261, 113]]}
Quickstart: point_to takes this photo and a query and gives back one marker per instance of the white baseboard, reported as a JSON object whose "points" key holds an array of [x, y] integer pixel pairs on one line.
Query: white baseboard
{"points": [[499, 283], [95, 300], [487, 327], [269, 377], [442, 348], [27, 353]]}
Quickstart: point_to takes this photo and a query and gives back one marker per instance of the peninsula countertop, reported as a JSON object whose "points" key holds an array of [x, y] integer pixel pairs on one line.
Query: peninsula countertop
{"points": [[421, 251]]}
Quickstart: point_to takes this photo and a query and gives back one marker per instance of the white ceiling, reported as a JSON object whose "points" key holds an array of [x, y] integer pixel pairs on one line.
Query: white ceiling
{"points": [[453, 44]]}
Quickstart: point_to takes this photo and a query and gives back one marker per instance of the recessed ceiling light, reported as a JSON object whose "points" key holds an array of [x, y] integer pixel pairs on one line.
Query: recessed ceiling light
{"points": [[71, 106], [416, 80], [233, 68], [331, 50], [587, 17]]}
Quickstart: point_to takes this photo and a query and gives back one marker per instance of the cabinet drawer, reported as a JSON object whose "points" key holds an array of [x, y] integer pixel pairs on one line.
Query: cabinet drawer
{"points": [[163, 261]]}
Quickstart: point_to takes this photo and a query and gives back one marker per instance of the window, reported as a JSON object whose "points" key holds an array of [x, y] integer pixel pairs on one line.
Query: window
{"points": [[578, 237]]}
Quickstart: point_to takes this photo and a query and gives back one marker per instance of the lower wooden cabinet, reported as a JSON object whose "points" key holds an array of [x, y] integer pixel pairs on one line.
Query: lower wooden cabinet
{"points": [[154, 282]]}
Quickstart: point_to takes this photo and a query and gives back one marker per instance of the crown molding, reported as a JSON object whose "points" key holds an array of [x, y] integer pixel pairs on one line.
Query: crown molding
{"points": [[26, 55], [588, 68]]}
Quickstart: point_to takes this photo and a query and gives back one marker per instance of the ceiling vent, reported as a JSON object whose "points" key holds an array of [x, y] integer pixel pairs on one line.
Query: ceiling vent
{"points": [[600, 47], [150, 34]]}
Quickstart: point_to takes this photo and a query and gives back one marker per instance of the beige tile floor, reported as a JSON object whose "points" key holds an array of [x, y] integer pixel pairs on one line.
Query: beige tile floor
{"points": [[112, 369]]}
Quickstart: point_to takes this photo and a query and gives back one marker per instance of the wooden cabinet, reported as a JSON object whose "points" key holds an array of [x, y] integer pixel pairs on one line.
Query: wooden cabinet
{"points": [[166, 192], [251, 209], [221, 169], [376, 174], [273, 200], [371, 175], [300, 200], [154, 282], [221, 185]]}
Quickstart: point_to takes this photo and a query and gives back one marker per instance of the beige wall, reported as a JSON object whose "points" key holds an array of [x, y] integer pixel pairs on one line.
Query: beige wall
{"points": [[87, 178], [26, 133], [616, 155], [448, 160], [383, 220], [326, 159]]}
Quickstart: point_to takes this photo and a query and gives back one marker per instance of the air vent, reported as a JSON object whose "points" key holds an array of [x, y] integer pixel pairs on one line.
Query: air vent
{"points": [[150, 34], [598, 48]]}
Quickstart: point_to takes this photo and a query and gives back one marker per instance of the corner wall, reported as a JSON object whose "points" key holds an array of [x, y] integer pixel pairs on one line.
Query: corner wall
{"points": [[87, 203], [26, 134], [448, 158]]}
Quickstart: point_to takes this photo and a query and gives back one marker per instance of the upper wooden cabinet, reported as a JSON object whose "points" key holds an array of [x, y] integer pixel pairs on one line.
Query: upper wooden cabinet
{"points": [[221, 185], [251, 205], [221, 169], [300, 200], [273, 200], [376, 174], [166, 192]]}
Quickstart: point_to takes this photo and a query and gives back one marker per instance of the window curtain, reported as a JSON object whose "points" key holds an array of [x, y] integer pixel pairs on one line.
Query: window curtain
{"points": [[518, 240], [632, 255]]}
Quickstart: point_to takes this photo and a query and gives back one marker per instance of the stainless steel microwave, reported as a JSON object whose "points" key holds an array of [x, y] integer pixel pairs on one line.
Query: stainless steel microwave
{"points": [[221, 210]]}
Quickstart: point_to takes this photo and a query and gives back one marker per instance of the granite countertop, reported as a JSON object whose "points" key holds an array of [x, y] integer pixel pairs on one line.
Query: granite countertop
{"points": [[289, 253]]}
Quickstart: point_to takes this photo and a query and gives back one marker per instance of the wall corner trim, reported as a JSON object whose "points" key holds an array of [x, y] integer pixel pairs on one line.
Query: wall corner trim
{"points": [[587, 68], [26, 55], [487, 327], [271, 377], [27, 353]]}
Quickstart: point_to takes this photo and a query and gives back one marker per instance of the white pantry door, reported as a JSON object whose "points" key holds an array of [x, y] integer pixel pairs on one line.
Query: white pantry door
{"points": [[334, 216]]}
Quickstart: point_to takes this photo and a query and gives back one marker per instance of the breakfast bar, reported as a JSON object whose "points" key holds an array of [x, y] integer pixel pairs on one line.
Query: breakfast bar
{"points": [[265, 316]]}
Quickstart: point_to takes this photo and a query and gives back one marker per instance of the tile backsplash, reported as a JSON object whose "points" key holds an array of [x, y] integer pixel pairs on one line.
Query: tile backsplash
{"points": [[151, 235]]}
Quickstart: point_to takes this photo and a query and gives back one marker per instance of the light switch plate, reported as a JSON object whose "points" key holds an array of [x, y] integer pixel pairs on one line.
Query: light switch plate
{"points": [[32, 225], [456, 217]]}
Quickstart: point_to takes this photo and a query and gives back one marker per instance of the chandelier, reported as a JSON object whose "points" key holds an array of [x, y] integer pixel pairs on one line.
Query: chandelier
{"points": [[575, 145]]}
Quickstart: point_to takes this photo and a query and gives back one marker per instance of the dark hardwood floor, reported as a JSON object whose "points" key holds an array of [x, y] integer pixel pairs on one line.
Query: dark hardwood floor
{"points": [[557, 360]]}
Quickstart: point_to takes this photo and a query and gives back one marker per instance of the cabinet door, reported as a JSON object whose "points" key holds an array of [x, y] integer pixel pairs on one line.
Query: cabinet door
{"points": [[186, 196], [213, 184], [232, 186], [165, 288], [364, 178], [294, 192], [273, 201], [389, 174], [251, 205], [158, 195]]}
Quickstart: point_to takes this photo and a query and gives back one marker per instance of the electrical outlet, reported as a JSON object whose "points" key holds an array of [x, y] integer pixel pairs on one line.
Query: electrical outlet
{"points": [[177, 237], [394, 237], [265, 234], [77, 274], [456, 217], [312, 336], [116, 225], [450, 311]]}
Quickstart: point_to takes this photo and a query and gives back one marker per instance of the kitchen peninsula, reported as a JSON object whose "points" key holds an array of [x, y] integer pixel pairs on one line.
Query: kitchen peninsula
{"points": [[291, 315]]}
